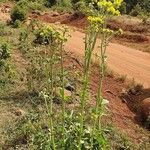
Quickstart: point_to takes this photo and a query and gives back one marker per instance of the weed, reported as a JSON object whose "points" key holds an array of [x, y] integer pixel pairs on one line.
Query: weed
{"points": [[110, 73], [6, 71], [4, 56], [121, 78], [135, 88], [24, 44], [97, 28]]}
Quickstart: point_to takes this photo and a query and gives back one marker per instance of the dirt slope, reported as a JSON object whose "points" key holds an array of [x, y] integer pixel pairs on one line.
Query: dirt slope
{"points": [[123, 60]]}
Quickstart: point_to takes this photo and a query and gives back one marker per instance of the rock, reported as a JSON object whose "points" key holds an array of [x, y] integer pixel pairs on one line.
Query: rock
{"points": [[124, 91], [57, 23], [69, 87], [57, 99], [145, 110], [55, 14], [57, 80], [36, 12]]}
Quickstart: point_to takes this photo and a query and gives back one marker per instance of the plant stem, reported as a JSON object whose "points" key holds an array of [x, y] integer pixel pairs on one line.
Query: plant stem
{"points": [[62, 92], [90, 42], [50, 90]]}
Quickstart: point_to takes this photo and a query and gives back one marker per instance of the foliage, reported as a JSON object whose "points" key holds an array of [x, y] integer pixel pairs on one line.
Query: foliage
{"points": [[65, 3], [145, 5], [47, 35], [123, 8], [24, 44], [80, 7], [22, 3], [44, 35], [4, 54], [19, 12], [136, 10], [5, 66]]}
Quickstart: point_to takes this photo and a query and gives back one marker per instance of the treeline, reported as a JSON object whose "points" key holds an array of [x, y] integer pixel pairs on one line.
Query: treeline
{"points": [[131, 7]]}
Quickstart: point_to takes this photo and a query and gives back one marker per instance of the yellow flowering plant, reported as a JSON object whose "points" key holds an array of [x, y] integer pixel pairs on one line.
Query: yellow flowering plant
{"points": [[98, 17], [49, 34], [53, 38]]}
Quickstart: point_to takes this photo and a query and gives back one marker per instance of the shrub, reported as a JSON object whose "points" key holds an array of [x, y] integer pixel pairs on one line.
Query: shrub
{"points": [[23, 3], [18, 13], [44, 35], [4, 58]]}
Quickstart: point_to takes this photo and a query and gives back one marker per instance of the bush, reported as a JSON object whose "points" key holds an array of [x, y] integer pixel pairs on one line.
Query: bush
{"points": [[44, 35], [18, 13], [23, 3]]}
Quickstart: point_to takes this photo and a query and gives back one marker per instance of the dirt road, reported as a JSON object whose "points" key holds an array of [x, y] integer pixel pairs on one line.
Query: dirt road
{"points": [[121, 59]]}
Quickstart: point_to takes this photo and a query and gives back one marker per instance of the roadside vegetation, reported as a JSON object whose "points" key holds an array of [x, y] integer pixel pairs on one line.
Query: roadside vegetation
{"points": [[48, 91]]}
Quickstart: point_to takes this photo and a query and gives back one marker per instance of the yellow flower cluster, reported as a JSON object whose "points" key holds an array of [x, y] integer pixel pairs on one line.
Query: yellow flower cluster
{"points": [[95, 19], [48, 31], [107, 31], [110, 7], [117, 3]]}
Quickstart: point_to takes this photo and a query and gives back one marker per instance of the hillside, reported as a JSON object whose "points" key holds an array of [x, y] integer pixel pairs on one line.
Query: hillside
{"points": [[74, 80]]}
